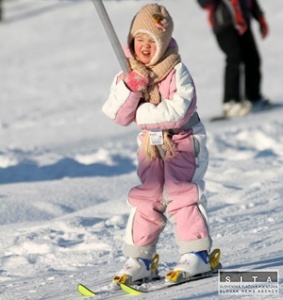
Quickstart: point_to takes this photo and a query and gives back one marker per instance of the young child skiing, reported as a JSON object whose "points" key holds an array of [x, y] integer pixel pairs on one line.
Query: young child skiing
{"points": [[159, 95]]}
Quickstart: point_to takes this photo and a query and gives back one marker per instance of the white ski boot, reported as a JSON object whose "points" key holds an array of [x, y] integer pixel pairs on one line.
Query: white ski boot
{"points": [[236, 109], [138, 270], [190, 264]]}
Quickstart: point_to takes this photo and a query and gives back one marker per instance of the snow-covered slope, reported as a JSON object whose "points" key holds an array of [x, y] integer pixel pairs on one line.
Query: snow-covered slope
{"points": [[65, 169]]}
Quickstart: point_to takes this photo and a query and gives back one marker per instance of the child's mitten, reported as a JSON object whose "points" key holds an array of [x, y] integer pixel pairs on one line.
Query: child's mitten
{"points": [[135, 81], [263, 27]]}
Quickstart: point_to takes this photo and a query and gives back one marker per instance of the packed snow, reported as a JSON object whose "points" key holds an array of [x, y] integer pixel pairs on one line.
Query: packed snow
{"points": [[66, 169]]}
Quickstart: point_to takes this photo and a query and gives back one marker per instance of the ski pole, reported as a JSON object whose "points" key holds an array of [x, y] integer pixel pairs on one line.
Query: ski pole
{"points": [[105, 20]]}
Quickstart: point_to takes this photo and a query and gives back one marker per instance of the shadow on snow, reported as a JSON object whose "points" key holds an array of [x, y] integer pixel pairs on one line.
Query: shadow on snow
{"points": [[29, 171]]}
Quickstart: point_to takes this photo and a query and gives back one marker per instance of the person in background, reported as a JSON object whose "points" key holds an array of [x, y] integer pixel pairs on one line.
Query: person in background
{"points": [[231, 24]]}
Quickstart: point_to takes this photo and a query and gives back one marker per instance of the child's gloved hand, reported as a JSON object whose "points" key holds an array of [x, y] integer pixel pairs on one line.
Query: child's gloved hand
{"points": [[263, 27], [135, 81]]}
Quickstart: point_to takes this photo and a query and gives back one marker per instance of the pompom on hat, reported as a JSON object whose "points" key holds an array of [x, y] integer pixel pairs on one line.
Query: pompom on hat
{"points": [[154, 20]]}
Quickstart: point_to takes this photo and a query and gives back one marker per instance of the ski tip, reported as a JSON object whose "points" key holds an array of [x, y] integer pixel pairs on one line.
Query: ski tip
{"points": [[130, 290], [84, 291]]}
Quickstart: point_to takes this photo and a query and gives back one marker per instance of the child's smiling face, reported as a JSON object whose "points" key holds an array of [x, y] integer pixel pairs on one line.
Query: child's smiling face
{"points": [[145, 47]]}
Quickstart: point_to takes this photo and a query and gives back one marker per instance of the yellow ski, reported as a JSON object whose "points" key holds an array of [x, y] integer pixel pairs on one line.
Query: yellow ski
{"points": [[84, 291], [130, 290]]}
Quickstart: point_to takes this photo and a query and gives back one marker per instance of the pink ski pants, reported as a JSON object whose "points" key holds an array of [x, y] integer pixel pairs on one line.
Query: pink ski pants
{"points": [[175, 186]]}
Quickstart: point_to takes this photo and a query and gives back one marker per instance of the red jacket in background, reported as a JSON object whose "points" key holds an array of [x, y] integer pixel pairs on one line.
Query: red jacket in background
{"points": [[224, 13]]}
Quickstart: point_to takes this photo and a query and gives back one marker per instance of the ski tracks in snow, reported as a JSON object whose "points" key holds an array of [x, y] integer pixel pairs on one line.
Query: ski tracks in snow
{"points": [[245, 193]]}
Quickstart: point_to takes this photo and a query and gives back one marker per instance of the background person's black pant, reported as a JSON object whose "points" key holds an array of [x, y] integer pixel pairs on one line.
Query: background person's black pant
{"points": [[240, 50], [0, 10]]}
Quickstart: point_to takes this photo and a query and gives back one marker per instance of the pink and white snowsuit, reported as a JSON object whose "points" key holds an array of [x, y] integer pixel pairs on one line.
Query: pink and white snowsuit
{"points": [[174, 186]]}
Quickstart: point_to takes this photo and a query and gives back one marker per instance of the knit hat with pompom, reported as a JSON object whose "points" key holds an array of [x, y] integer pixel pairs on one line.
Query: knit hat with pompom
{"points": [[154, 20]]}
